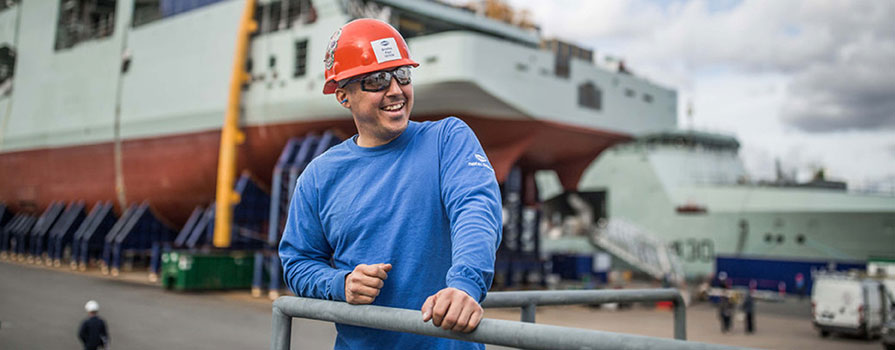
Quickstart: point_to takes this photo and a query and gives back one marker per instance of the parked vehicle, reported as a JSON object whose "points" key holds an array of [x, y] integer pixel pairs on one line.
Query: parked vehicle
{"points": [[849, 304], [889, 334]]}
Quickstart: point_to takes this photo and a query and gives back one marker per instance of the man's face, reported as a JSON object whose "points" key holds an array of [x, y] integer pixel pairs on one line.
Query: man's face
{"points": [[380, 116]]}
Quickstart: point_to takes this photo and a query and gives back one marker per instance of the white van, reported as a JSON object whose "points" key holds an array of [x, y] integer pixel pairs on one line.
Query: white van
{"points": [[848, 304]]}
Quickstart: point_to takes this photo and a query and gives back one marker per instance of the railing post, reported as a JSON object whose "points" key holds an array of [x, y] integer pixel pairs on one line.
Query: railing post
{"points": [[282, 329], [680, 318], [528, 313]]}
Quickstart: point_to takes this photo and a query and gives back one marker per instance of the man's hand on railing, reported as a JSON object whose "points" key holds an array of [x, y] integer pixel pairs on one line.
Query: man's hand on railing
{"points": [[363, 284], [453, 309]]}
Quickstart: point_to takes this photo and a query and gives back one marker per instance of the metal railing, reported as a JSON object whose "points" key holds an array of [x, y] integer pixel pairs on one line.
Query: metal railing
{"points": [[529, 300], [523, 335]]}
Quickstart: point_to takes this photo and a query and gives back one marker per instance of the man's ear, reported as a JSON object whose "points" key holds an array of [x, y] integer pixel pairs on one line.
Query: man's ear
{"points": [[342, 97]]}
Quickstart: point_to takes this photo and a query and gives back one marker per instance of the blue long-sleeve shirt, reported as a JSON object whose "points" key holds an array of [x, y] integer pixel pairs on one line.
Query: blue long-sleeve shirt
{"points": [[427, 202]]}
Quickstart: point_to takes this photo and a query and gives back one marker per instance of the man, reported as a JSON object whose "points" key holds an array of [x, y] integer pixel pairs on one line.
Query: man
{"points": [[93, 332], [800, 285], [404, 214], [725, 309], [748, 307]]}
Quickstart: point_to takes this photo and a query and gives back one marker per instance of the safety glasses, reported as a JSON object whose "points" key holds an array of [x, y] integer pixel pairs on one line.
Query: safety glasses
{"points": [[378, 81]]}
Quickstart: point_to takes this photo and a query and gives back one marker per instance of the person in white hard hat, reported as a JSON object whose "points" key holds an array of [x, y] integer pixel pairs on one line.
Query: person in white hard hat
{"points": [[93, 333]]}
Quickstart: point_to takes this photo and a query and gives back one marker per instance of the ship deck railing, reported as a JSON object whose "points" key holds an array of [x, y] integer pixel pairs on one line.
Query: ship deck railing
{"points": [[523, 335]]}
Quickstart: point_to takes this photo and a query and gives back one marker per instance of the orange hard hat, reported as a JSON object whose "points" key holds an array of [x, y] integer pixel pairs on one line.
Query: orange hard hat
{"points": [[363, 46]]}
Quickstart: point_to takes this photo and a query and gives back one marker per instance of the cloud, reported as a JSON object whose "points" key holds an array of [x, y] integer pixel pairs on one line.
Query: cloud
{"points": [[836, 53], [750, 35], [780, 75], [854, 91]]}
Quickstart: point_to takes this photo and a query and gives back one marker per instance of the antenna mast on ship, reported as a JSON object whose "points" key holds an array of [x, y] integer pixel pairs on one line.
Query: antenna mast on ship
{"points": [[690, 114]]}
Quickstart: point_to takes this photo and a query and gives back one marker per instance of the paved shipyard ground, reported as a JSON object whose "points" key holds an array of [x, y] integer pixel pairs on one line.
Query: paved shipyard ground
{"points": [[40, 308]]}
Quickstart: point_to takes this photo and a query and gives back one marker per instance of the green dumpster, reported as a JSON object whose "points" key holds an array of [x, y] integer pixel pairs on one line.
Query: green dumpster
{"points": [[205, 271]]}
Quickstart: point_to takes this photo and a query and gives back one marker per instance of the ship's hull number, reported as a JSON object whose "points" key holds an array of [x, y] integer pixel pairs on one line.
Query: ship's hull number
{"points": [[694, 250]]}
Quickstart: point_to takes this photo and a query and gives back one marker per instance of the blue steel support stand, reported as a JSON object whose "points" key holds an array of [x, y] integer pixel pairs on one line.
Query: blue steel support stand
{"points": [[295, 157], [273, 221], [39, 234], [79, 234], [155, 260], [90, 241]]}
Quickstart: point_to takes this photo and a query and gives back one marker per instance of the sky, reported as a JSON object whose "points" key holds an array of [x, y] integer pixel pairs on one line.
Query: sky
{"points": [[808, 82]]}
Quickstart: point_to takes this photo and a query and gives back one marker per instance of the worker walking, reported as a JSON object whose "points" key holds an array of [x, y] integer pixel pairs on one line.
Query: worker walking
{"points": [[748, 308], [725, 310], [93, 332]]}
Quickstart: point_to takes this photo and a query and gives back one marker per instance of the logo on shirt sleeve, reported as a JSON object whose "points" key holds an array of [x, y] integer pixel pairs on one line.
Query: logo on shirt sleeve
{"points": [[481, 161]]}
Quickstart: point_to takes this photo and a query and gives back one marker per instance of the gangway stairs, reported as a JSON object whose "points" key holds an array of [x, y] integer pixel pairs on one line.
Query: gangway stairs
{"points": [[637, 247]]}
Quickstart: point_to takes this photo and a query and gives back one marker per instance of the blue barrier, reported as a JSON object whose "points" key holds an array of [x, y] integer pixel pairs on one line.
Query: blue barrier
{"points": [[278, 199], [109, 238], [88, 240], [778, 274], [5, 217], [144, 232], [295, 157], [9, 241], [5, 214], [188, 228], [578, 267], [202, 235], [249, 217], [37, 238], [139, 231], [7, 236], [6, 222], [300, 162], [60, 236], [20, 235], [250, 214], [278, 207]]}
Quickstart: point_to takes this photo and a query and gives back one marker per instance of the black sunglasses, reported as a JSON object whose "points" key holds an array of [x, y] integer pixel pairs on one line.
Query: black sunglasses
{"points": [[378, 81]]}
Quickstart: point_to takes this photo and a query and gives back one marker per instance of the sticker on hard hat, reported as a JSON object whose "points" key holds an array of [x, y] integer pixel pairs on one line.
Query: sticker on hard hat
{"points": [[386, 50], [330, 58]]}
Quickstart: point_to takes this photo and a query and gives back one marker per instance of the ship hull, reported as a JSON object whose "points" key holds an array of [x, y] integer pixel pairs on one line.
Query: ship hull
{"points": [[176, 173]]}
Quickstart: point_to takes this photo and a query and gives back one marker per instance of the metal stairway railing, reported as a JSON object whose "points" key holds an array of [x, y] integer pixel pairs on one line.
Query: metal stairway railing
{"points": [[637, 247]]}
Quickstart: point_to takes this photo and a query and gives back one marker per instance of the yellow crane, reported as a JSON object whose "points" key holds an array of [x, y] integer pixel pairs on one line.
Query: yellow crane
{"points": [[231, 135]]}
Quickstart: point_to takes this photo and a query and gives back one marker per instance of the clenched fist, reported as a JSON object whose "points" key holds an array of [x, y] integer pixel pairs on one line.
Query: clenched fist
{"points": [[363, 284], [453, 309]]}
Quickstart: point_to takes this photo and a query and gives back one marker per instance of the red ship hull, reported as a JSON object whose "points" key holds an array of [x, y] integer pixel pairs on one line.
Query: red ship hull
{"points": [[177, 173]]}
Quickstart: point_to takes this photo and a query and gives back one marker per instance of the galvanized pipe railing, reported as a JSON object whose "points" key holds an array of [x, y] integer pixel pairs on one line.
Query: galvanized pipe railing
{"points": [[529, 300], [490, 331]]}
